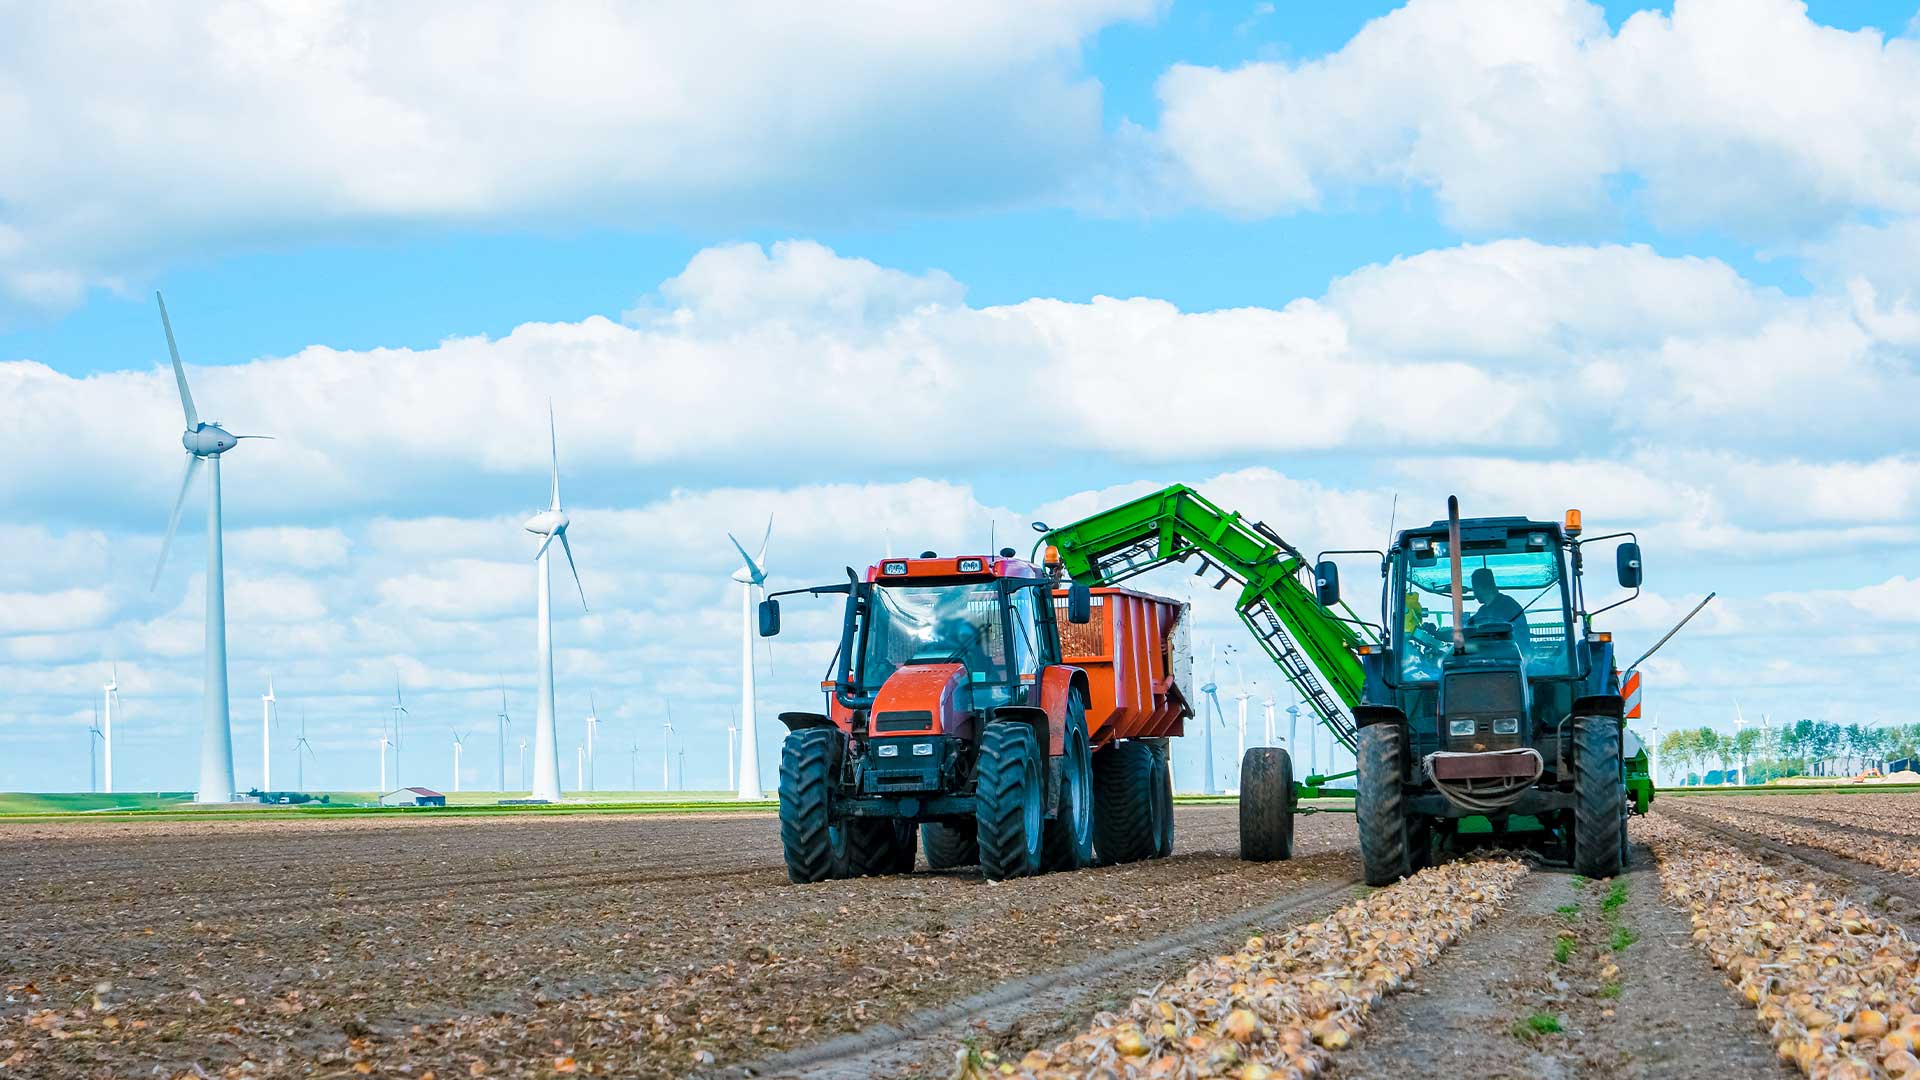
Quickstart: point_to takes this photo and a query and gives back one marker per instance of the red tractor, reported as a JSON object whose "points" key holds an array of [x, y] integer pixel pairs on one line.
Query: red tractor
{"points": [[962, 712]]}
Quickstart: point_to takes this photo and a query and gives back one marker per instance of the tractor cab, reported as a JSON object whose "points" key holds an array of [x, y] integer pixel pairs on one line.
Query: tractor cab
{"points": [[991, 616]]}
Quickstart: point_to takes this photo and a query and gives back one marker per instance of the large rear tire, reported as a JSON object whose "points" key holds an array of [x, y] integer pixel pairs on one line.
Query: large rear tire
{"points": [[1068, 844], [948, 846], [814, 844], [1162, 800], [878, 846], [1380, 806], [1599, 798], [1125, 813], [1009, 791], [1266, 804]]}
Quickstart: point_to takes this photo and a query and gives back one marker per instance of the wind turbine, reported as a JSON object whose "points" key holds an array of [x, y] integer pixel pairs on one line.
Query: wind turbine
{"points": [[399, 714], [751, 575], [266, 737], [732, 730], [302, 746], [502, 729], [459, 744], [522, 767], [1293, 725], [384, 743], [112, 695], [666, 753], [93, 781], [1267, 706], [1240, 702], [1212, 691], [550, 523], [593, 724], [205, 442], [633, 768]]}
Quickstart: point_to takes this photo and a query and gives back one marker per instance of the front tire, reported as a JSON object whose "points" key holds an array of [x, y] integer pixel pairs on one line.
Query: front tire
{"points": [[1599, 798], [1068, 842], [1266, 804], [1125, 813], [1009, 788], [1380, 806], [814, 844], [948, 846]]}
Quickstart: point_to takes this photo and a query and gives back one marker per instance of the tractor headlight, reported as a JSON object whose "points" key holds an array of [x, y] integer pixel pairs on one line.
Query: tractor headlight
{"points": [[1459, 727], [888, 749], [1507, 725], [923, 749], [893, 569], [971, 566]]}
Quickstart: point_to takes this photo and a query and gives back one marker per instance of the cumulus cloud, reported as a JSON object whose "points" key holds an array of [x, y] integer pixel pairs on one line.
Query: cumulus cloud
{"points": [[246, 122], [1740, 112]]}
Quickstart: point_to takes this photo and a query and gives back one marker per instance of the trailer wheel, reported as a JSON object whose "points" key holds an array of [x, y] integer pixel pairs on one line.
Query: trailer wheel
{"points": [[948, 846], [1162, 800], [1069, 833], [1266, 804], [1380, 806], [1008, 811], [1599, 798], [1125, 828], [814, 844], [878, 846]]}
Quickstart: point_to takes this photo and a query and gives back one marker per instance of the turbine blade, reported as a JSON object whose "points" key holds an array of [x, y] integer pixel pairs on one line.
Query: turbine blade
{"points": [[768, 535], [553, 444], [543, 546], [753, 568], [179, 373], [173, 520], [269, 437], [568, 548]]}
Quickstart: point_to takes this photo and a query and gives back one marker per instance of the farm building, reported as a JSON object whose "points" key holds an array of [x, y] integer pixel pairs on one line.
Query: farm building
{"points": [[413, 796]]}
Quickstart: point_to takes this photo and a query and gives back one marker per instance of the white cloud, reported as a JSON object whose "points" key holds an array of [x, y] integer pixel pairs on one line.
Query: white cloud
{"points": [[250, 121], [1727, 111], [41, 612]]}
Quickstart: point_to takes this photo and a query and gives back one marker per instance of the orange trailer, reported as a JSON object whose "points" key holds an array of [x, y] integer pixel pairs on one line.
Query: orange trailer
{"points": [[1135, 654]]}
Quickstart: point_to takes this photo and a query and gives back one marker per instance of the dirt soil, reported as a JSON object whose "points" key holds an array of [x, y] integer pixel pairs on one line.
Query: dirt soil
{"points": [[594, 945], [1653, 1007]]}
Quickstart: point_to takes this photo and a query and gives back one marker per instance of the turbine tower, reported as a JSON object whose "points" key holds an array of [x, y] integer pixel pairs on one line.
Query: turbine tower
{"points": [[550, 523], [593, 725], [205, 443], [1212, 691], [751, 575], [633, 768], [459, 744], [732, 730], [93, 780], [1267, 706], [399, 714], [266, 737], [384, 743], [112, 695]]}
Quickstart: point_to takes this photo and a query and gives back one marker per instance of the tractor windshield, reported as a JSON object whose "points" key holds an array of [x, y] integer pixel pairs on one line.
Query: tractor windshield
{"points": [[1521, 586], [938, 624]]}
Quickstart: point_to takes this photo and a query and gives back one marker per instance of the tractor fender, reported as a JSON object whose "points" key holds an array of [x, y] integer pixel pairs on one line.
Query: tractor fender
{"points": [[800, 721], [1369, 715], [1601, 705], [1058, 684], [1031, 715]]}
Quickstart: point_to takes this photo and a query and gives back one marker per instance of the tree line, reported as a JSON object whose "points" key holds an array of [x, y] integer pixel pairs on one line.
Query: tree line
{"points": [[1803, 748]]}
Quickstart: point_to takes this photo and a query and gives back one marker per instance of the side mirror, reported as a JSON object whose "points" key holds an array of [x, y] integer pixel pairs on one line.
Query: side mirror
{"points": [[1326, 582], [1079, 604], [769, 618], [1626, 559]]}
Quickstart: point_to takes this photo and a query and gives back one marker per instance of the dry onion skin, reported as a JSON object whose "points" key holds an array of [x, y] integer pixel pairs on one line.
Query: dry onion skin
{"points": [[1276, 1007], [1843, 839], [1837, 989]]}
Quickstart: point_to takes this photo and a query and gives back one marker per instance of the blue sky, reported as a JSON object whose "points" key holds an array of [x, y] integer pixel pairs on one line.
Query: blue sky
{"points": [[1553, 255]]}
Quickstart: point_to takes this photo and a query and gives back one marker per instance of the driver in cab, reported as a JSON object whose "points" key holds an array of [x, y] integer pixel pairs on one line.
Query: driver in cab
{"points": [[1497, 607]]}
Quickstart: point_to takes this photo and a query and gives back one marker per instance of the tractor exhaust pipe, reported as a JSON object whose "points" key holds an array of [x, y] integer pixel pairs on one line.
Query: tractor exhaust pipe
{"points": [[1453, 559]]}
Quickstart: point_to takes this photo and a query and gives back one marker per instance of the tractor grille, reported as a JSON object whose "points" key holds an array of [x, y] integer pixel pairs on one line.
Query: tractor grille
{"points": [[903, 720]]}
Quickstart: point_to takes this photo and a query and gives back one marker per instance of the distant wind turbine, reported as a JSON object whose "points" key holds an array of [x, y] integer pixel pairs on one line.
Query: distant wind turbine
{"points": [[267, 701], [459, 744], [593, 725], [112, 695], [302, 749], [633, 768], [551, 523], [666, 753], [1211, 689], [751, 575], [502, 734], [399, 714], [93, 780], [205, 442], [384, 743]]}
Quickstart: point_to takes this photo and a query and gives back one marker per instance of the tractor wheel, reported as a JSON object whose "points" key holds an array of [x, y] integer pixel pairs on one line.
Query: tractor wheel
{"points": [[1599, 798], [1126, 825], [814, 844], [1266, 804], [948, 846], [877, 846], [1069, 833], [1009, 791], [1162, 800], [1386, 853]]}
